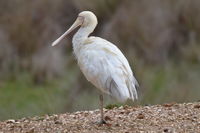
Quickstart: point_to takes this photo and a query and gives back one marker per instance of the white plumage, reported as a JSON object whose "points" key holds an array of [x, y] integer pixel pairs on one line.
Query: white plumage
{"points": [[101, 62], [105, 66]]}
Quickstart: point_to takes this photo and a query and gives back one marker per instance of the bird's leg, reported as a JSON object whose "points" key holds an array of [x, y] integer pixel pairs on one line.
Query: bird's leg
{"points": [[102, 121]]}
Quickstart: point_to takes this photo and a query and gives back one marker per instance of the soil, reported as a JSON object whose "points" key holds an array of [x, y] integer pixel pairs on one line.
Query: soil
{"points": [[170, 117]]}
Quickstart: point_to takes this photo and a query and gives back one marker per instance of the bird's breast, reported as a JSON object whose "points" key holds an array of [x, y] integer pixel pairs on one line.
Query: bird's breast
{"points": [[88, 61]]}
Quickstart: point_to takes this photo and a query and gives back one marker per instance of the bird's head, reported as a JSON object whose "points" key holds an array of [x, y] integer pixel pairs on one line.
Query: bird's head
{"points": [[84, 19], [87, 18]]}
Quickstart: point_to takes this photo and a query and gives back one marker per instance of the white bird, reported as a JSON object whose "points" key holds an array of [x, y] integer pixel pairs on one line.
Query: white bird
{"points": [[101, 62]]}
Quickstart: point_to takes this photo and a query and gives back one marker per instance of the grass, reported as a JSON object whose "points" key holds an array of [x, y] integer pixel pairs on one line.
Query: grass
{"points": [[172, 82], [21, 97]]}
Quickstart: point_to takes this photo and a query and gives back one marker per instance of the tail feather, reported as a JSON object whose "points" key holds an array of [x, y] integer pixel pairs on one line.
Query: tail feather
{"points": [[116, 92], [132, 86], [122, 93]]}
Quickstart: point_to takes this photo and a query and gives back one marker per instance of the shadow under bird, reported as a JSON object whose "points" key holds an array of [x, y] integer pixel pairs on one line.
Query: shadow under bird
{"points": [[101, 62]]}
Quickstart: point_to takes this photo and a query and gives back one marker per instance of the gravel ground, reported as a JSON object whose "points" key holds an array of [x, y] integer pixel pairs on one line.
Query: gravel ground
{"points": [[171, 117]]}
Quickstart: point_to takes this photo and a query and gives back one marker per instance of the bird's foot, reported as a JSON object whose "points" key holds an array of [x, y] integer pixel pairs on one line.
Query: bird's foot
{"points": [[102, 121]]}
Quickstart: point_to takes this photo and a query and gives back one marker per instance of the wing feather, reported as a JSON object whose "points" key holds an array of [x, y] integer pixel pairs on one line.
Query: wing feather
{"points": [[106, 67]]}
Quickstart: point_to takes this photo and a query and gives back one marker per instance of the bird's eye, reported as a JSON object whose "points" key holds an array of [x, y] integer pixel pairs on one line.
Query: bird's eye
{"points": [[81, 18]]}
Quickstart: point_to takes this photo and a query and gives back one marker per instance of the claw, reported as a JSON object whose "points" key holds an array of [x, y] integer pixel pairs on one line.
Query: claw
{"points": [[102, 121]]}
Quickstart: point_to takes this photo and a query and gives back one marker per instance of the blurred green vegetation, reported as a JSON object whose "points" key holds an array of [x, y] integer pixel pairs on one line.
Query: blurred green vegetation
{"points": [[161, 40], [21, 97]]}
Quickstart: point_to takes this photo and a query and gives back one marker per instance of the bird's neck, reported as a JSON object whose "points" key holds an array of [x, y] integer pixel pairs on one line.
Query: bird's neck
{"points": [[80, 37], [82, 34]]}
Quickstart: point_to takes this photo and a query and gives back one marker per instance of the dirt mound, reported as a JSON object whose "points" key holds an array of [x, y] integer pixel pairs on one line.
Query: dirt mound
{"points": [[171, 117]]}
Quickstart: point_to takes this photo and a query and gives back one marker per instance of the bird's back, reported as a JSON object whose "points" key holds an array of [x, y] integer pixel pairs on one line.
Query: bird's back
{"points": [[104, 65]]}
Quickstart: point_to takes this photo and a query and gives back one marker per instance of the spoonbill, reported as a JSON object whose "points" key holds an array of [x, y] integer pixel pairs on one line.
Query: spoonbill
{"points": [[101, 62]]}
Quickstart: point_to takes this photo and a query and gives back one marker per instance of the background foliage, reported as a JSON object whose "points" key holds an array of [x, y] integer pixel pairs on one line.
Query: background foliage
{"points": [[161, 40]]}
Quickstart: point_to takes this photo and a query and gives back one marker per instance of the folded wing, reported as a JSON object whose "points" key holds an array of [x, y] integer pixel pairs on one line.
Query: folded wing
{"points": [[108, 69]]}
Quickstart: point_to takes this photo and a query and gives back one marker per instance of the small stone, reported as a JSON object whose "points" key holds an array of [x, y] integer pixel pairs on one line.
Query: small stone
{"points": [[31, 130], [166, 130], [127, 112], [197, 106], [126, 107], [58, 122], [108, 124], [121, 107], [168, 104], [10, 121], [121, 112], [140, 116], [107, 118], [117, 125]]}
